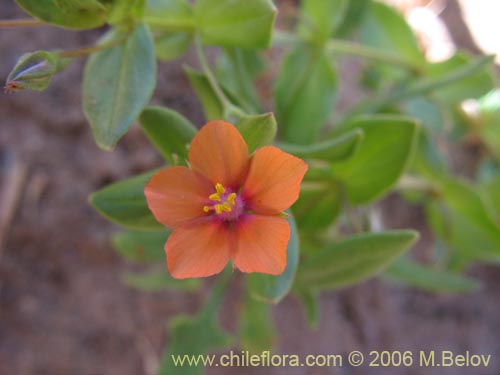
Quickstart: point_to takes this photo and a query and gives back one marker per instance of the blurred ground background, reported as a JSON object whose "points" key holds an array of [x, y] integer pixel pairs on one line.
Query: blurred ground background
{"points": [[63, 308]]}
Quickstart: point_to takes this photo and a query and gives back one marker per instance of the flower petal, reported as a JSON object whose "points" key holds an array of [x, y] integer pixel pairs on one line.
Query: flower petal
{"points": [[273, 182], [198, 250], [219, 152], [260, 244], [176, 195]]}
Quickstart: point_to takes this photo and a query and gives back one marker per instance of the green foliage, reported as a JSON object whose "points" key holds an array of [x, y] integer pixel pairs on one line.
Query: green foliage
{"points": [[235, 23], [322, 18], [363, 156], [124, 203], [33, 71], [473, 85], [257, 332], [172, 24], [195, 335], [332, 150], [159, 280], [384, 28], [72, 14], [168, 130], [434, 280], [305, 92], [463, 220], [118, 83], [387, 148], [353, 259], [212, 105], [258, 130], [140, 246]]}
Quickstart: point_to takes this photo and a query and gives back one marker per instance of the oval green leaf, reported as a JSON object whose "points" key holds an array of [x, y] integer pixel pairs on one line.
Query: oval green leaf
{"points": [[304, 93], [258, 130], [354, 259], [71, 14], [168, 130], [236, 23], [124, 203], [423, 277], [385, 152], [335, 149], [117, 83]]}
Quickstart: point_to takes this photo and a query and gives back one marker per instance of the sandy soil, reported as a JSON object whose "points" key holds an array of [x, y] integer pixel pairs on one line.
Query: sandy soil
{"points": [[63, 308]]}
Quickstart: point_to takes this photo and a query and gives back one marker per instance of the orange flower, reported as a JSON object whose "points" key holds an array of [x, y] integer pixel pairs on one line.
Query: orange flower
{"points": [[227, 205]]}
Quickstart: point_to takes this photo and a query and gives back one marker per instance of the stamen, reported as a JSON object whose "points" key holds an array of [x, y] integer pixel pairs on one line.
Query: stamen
{"points": [[214, 197], [219, 188], [226, 207], [206, 208], [232, 198], [218, 208]]}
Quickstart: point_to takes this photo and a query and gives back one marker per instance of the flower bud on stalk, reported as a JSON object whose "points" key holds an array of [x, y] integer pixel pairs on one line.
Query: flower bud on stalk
{"points": [[33, 71]]}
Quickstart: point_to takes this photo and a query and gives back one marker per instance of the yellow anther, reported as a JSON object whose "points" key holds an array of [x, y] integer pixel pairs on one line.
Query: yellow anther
{"points": [[232, 198], [226, 207], [218, 208], [206, 208], [214, 197], [219, 188]]}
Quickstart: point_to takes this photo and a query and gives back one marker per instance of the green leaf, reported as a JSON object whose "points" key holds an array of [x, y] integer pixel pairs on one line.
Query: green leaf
{"points": [[354, 259], [195, 336], [71, 14], [124, 203], [170, 46], [474, 85], [257, 332], [159, 280], [322, 18], [489, 122], [434, 280], [352, 17], [304, 93], [387, 148], [33, 71], [318, 205], [236, 23], [126, 10], [212, 106], [172, 24], [168, 130], [236, 68], [491, 190], [310, 303], [384, 28], [464, 221], [141, 246], [258, 131], [335, 149], [272, 289], [118, 83]]}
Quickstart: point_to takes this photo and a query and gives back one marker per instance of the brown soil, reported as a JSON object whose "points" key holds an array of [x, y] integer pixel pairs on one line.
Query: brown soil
{"points": [[63, 308]]}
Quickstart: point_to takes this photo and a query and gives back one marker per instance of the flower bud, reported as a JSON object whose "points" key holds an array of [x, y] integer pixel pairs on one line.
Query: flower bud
{"points": [[33, 71]]}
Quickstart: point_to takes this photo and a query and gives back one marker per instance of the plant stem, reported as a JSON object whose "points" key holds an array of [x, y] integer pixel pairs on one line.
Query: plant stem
{"points": [[88, 50], [169, 24], [229, 108], [422, 87], [218, 290], [349, 48], [24, 22]]}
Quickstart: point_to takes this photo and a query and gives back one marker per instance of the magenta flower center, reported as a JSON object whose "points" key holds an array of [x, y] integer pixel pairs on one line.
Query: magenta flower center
{"points": [[224, 203]]}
